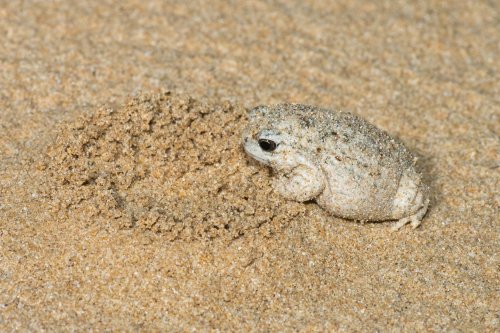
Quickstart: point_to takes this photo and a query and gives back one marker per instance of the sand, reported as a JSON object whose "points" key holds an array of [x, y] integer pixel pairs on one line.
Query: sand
{"points": [[127, 203]]}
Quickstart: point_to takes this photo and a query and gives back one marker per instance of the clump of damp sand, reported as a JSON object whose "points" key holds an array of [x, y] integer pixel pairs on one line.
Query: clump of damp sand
{"points": [[166, 164]]}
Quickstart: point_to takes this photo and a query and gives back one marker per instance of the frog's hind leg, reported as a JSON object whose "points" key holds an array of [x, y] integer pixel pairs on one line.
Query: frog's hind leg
{"points": [[414, 219]]}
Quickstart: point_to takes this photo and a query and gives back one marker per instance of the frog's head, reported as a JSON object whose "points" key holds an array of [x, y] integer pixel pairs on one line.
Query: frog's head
{"points": [[278, 137]]}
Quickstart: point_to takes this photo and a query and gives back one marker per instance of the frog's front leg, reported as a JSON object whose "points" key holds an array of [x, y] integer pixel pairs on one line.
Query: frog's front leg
{"points": [[302, 183]]}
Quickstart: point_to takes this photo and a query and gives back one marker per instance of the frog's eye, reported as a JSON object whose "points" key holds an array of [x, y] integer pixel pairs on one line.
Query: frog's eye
{"points": [[267, 145]]}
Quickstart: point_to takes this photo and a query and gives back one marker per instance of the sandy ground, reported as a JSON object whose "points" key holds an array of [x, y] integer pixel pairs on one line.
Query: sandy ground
{"points": [[143, 213]]}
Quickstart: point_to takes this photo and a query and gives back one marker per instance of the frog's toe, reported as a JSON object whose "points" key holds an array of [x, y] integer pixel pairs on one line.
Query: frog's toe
{"points": [[400, 223], [415, 220]]}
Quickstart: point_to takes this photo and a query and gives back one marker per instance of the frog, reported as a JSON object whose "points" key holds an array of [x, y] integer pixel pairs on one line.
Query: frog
{"points": [[348, 166]]}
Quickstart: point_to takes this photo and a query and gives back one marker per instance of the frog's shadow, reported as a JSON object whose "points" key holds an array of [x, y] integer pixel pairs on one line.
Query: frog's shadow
{"points": [[427, 166]]}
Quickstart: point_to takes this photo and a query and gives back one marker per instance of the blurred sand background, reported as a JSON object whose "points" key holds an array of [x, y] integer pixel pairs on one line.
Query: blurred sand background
{"points": [[99, 253]]}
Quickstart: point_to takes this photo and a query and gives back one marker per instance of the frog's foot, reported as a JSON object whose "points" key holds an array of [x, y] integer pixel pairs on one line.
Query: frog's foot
{"points": [[303, 183], [414, 219]]}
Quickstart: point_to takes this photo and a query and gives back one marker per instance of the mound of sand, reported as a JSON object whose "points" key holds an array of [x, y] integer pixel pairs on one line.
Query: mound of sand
{"points": [[167, 164]]}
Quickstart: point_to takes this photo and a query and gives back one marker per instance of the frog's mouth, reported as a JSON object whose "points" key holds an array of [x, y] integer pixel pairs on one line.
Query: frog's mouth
{"points": [[252, 150]]}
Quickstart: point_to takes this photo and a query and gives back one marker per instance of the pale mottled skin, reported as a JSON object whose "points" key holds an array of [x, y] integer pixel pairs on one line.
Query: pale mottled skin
{"points": [[348, 166]]}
